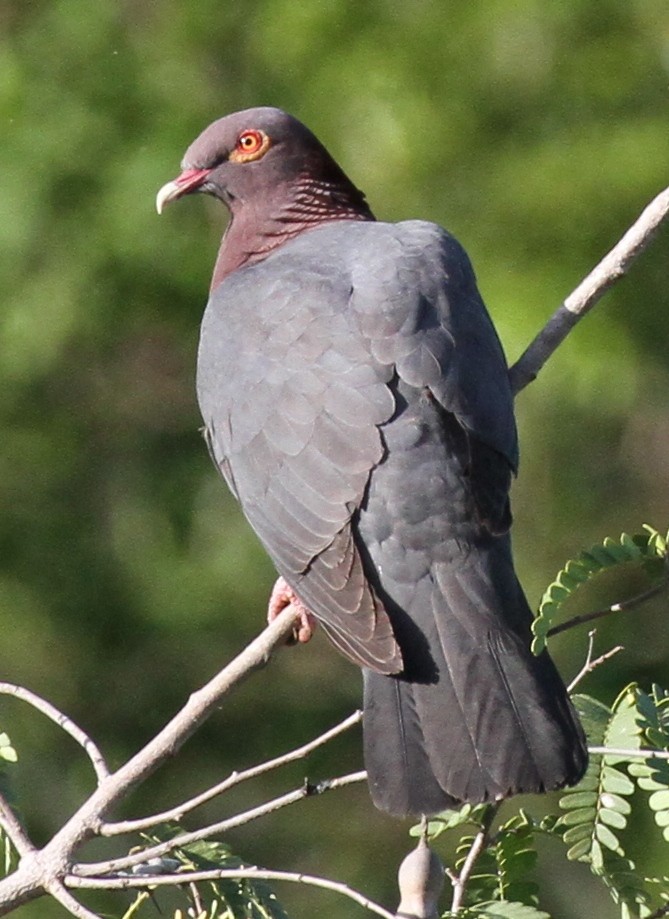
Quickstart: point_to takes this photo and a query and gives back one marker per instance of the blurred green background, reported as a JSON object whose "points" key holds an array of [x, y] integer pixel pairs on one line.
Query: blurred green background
{"points": [[535, 132]]}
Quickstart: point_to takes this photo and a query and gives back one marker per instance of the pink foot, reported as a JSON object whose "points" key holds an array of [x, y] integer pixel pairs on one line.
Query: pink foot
{"points": [[281, 598]]}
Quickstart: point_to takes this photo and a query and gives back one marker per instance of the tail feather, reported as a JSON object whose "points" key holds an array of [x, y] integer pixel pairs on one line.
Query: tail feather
{"points": [[475, 716]]}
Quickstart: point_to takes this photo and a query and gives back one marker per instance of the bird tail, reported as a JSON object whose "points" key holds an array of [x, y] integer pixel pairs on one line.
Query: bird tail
{"points": [[475, 716]]}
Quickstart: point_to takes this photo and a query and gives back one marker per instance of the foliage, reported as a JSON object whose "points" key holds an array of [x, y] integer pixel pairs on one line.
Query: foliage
{"points": [[502, 910], [241, 898], [652, 775], [592, 819]]}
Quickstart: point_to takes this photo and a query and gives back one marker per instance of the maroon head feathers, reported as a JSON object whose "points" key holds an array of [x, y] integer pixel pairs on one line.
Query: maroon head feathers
{"points": [[275, 177]]}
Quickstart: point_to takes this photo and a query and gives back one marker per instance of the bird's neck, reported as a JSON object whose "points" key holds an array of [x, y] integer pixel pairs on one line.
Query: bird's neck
{"points": [[256, 229]]}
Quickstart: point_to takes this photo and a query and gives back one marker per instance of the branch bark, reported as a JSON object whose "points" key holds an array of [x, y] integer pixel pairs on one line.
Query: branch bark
{"points": [[591, 663], [176, 813], [62, 720], [608, 272], [37, 871], [162, 880], [460, 881], [129, 862]]}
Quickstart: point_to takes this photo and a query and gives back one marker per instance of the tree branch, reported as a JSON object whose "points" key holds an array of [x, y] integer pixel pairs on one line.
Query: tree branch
{"points": [[611, 269], [64, 722], [176, 813], [631, 754], [36, 871], [157, 851], [72, 905], [13, 829], [161, 880], [591, 664], [459, 881]]}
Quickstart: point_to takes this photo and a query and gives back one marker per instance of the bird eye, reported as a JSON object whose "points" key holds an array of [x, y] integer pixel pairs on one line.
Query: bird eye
{"points": [[250, 141], [251, 145]]}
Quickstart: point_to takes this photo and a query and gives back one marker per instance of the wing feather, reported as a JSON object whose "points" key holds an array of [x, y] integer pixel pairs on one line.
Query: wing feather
{"points": [[302, 360]]}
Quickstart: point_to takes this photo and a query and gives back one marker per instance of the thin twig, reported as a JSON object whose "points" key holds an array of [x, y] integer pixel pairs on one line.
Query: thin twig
{"points": [[631, 754], [176, 813], [623, 607], [64, 722], [190, 877], [13, 829], [477, 847], [140, 899], [65, 898], [611, 269], [198, 905], [223, 826], [591, 664]]}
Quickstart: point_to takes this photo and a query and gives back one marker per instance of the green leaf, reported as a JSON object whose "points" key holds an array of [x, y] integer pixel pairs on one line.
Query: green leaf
{"points": [[617, 803], [595, 717], [607, 838], [578, 833], [616, 782], [242, 898], [659, 800], [580, 850], [447, 819], [7, 751], [626, 887], [612, 818], [652, 773], [579, 799], [579, 817], [504, 909]]}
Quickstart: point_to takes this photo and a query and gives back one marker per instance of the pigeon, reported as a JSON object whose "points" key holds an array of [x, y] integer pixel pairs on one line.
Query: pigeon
{"points": [[356, 400]]}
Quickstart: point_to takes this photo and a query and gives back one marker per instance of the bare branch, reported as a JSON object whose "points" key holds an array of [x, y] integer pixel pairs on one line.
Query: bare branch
{"points": [[176, 813], [591, 664], [477, 847], [74, 907], [631, 754], [64, 722], [13, 829], [190, 877], [306, 790], [34, 874], [611, 269]]}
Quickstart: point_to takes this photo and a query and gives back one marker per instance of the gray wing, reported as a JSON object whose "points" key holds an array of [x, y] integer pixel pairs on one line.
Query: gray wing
{"points": [[426, 317], [300, 358]]}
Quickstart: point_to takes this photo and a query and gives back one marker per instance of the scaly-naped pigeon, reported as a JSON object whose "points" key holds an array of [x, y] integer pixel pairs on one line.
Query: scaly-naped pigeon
{"points": [[356, 400]]}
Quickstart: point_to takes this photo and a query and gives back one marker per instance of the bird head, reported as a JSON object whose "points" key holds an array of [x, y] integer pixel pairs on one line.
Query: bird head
{"points": [[259, 155]]}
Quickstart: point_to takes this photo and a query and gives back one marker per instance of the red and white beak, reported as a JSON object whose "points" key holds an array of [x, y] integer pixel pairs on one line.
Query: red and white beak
{"points": [[189, 180]]}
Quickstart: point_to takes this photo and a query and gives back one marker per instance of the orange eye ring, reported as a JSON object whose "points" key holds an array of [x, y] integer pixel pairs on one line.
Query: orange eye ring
{"points": [[251, 145], [250, 141]]}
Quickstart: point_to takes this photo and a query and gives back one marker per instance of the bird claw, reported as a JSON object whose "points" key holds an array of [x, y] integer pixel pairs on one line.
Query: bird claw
{"points": [[284, 597]]}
